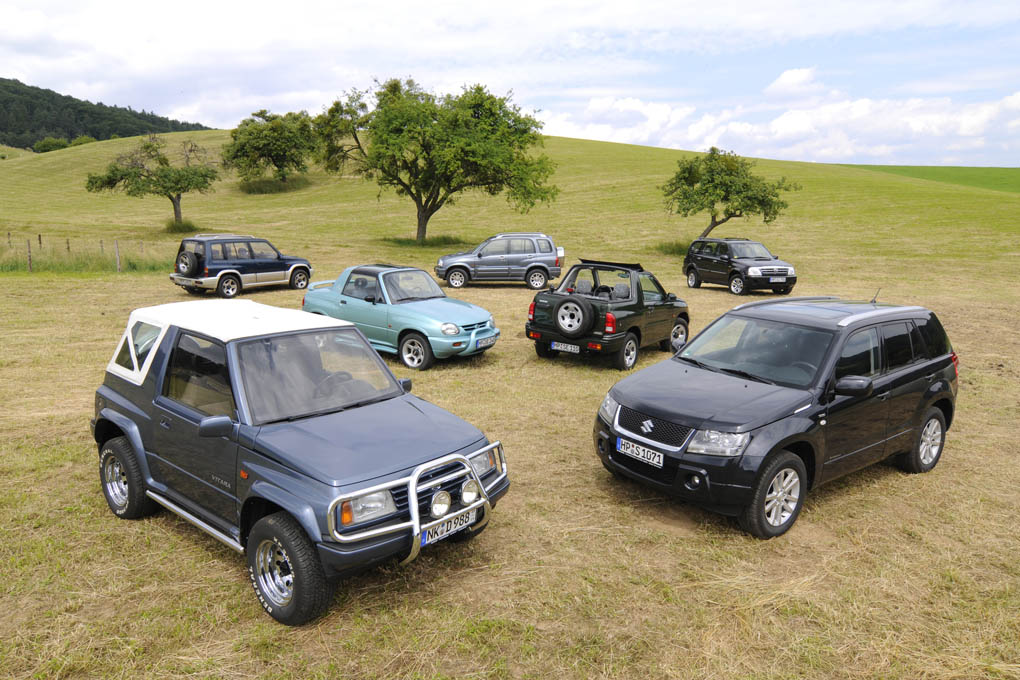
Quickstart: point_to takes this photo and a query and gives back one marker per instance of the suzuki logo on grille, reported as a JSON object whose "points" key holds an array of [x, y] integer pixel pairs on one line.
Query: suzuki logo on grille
{"points": [[647, 426]]}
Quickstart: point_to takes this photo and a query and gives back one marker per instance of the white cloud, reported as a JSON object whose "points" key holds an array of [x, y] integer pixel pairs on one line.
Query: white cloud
{"points": [[795, 82]]}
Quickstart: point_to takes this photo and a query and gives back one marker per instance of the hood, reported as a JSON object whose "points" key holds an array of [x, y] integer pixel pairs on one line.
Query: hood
{"points": [[355, 446], [447, 309], [456, 256], [687, 395], [752, 262]]}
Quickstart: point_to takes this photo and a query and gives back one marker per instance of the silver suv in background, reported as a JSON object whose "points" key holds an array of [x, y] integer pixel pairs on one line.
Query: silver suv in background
{"points": [[531, 257]]}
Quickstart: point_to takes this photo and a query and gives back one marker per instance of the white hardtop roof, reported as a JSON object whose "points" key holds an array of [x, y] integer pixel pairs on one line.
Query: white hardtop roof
{"points": [[227, 320]]}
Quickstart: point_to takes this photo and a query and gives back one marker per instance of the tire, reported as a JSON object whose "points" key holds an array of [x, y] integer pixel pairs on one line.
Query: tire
{"points": [[737, 286], [121, 479], [679, 332], [627, 355], [573, 316], [228, 287], [187, 264], [784, 473], [416, 352], [693, 278], [285, 571], [194, 291], [536, 279], [456, 278], [545, 351], [299, 279], [782, 290], [931, 438]]}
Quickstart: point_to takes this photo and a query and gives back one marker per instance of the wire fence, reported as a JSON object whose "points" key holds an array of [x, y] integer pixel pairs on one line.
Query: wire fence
{"points": [[42, 253]]}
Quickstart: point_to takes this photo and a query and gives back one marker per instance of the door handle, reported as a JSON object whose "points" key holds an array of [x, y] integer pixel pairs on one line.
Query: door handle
{"points": [[883, 396], [164, 422], [343, 302], [930, 377]]}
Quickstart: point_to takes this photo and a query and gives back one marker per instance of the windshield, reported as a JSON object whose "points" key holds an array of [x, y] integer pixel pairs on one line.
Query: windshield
{"points": [[754, 251], [767, 351], [303, 374], [411, 284]]}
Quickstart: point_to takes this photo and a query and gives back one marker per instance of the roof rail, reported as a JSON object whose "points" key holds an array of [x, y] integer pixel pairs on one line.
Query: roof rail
{"points": [[772, 301], [846, 321], [220, 235], [736, 238]]}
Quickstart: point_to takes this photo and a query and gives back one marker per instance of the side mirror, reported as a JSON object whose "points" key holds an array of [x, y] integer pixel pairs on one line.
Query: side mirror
{"points": [[775, 257], [370, 298], [854, 386], [479, 254], [405, 384], [216, 426], [725, 258], [671, 297]]}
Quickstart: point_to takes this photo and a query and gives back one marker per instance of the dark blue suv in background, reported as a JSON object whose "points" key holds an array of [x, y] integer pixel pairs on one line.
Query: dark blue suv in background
{"points": [[229, 263], [778, 396]]}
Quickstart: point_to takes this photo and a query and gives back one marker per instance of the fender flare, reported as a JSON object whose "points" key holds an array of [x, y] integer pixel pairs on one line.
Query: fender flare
{"points": [[298, 509], [130, 430]]}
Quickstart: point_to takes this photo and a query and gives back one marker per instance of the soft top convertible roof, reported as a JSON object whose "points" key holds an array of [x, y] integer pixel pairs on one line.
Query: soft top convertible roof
{"points": [[621, 265]]}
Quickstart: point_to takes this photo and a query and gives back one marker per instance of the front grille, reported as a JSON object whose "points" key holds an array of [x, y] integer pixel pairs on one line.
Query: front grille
{"points": [[662, 431], [774, 271], [664, 475], [468, 327], [425, 495]]}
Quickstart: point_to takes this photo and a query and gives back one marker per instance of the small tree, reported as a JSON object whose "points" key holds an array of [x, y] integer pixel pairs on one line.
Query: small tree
{"points": [[269, 140], [721, 183], [49, 144], [433, 148], [148, 171], [82, 139]]}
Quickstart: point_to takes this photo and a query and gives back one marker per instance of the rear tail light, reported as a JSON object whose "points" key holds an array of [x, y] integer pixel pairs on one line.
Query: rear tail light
{"points": [[205, 271], [610, 323], [557, 262], [531, 312], [302, 300], [956, 363]]}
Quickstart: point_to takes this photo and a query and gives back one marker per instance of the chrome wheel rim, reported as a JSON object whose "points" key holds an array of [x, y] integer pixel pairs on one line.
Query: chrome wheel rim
{"points": [[115, 480], [678, 335], [229, 287], [569, 317], [629, 353], [931, 441], [413, 353], [274, 572], [536, 279], [737, 285], [456, 279], [782, 497], [300, 280], [692, 279]]}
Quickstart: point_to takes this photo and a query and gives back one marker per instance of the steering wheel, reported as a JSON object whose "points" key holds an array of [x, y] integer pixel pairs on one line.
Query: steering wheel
{"points": [[804, 366], [329, 383], [602, 289]]}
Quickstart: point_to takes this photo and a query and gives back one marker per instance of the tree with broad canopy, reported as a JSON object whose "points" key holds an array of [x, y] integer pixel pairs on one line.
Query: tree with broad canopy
{"points": [[432, 148], [269, 140]]}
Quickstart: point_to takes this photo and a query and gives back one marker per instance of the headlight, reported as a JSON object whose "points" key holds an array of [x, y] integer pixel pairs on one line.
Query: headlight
{"points": [[608, 408], [369, 506], [713, 443], [449, 329], [790, 271], [483, 463], [469, 492], [754, 271], [492, 322], [441, 502]]}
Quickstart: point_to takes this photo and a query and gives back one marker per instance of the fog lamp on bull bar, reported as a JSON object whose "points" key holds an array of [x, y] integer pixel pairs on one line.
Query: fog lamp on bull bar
{"points": [[440, 504], [469, 492]]}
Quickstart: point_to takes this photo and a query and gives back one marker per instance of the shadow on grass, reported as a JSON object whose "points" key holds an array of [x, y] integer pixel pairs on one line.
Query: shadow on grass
{"points": [[442, 241], [182, 227], [273, 186]]}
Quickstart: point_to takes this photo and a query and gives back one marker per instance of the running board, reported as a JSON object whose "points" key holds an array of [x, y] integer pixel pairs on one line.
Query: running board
{"points": [[187, 516]]}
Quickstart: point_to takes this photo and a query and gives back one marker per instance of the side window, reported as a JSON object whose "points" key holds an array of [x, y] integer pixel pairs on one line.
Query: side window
{"points": [[197, 376], [262, 250], [920, 352], [241, 251], [544, 246], [497, 247], [124, 355], [229, 250], [695, 247], [217, 250], [723, 249], [860, 355], [521, 246], [935, 338], [143, 339], [708, 248], [361, 286], [584, 281], [651, 291], [897, 345]]}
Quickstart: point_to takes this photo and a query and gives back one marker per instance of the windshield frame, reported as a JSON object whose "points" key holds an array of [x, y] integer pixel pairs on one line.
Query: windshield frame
{"points": [[241, 385], [384, 280]]}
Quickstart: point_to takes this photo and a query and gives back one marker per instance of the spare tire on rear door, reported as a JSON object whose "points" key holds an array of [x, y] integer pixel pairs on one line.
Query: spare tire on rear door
{"points": [[573, 316], [187, 264]]}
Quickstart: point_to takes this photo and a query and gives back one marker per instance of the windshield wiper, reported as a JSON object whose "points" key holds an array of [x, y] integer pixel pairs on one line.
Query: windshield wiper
{"points": [[697, 363], [745, 374]]}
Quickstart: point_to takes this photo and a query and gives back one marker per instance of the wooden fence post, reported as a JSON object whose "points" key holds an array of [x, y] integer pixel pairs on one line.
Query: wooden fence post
{"points": [[100, 246], [68, 245], [116, 251], [29, 243], [40, 240], [8, 239]]}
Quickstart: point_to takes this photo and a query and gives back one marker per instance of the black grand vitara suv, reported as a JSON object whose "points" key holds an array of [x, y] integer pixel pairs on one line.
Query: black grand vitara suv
{"points": [[738, 263], [778, 396]]}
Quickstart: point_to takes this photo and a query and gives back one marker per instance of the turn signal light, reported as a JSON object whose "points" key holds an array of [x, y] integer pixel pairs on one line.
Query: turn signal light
{"points": [[534, 336], [346, 513], [610, 323], [956, 363], [595, 346], [531, 312]]}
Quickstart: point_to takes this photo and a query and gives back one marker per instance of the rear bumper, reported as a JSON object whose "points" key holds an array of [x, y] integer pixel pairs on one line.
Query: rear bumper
{"points": [[599, 344], [208, 282]]}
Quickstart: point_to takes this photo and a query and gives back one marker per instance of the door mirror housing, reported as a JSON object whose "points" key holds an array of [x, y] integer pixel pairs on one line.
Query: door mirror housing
{"points": [[370, 298], [671, 297], [405, 384], [216, 426], [775, 257], [854, 386]]}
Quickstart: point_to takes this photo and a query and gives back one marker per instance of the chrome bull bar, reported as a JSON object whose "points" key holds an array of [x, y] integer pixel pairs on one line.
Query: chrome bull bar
{"points": [[414, 486]]}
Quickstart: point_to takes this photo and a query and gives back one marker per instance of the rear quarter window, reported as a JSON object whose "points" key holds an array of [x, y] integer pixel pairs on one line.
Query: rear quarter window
{"points": [[544, 246], [934, 335]]}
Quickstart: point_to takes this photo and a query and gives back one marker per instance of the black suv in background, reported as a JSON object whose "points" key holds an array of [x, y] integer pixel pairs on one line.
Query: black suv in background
{"points": [[739, 263], [778, 396], [228, 263]]}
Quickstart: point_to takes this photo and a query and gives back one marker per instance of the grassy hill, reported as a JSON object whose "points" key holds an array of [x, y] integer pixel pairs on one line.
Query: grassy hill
{"points": [[578, 575], [998, 179]]}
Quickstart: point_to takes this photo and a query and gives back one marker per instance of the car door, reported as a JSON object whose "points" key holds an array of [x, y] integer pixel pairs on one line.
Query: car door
{"points": [[237, 256], [657, 312], [200, 470], [492, 260], [855, 426], [520, 256], [362, 302], [266, 262], [905, 382], [707, 263]]}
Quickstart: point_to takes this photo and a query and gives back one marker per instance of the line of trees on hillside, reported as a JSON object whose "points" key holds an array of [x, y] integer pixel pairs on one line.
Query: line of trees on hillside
{"points": [[30, 114]]}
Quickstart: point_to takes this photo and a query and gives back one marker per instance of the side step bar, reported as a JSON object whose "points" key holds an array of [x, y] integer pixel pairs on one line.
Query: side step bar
{"points": [[187, 516]]}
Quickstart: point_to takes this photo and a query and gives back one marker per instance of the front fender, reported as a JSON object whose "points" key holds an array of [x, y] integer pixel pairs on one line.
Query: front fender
{"points": [[130, 430], [298, 509]]}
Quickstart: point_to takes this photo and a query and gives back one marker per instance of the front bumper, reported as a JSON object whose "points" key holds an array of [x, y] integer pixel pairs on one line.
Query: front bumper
{"points": [[708, 481], [207, 282], [353, 551], [464, 344], [754, 282], [605, 344]]}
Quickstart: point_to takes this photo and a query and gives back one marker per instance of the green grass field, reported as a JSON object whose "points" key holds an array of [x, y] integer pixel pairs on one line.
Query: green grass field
{"points": [[885, 575], [996, 179]]}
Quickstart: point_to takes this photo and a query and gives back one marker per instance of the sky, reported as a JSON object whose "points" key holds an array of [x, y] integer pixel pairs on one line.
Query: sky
{"points": [[904, 82]]}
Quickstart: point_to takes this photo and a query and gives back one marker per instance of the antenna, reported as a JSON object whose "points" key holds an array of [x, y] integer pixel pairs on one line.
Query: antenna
{"points": [[876, 296]]}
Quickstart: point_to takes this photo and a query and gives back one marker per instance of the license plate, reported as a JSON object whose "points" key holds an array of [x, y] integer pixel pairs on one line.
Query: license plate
{"points": [[639, 452], [777, 279], [450, 526], [485, 342], [564, 347]]}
